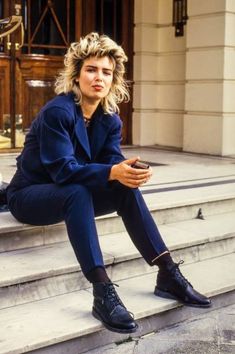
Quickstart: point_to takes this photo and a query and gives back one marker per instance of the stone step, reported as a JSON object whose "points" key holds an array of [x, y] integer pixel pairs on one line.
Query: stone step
{"points": [[64, 323], [180, 202], [40, 272]]}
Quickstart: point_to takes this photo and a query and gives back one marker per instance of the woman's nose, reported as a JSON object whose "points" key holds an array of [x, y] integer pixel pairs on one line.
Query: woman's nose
{"points": [[99, 76]]}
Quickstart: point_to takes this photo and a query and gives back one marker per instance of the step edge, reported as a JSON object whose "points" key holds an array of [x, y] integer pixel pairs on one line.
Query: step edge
{"points": [[109, 260], [152, 208]]}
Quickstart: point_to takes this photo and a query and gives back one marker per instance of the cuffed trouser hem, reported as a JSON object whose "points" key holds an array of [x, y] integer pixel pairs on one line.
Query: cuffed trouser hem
{"points": [[156, 258]]}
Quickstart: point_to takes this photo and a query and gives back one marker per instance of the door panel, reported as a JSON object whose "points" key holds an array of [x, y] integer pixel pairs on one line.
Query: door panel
{"points": [[4, 88], [36, 78]]}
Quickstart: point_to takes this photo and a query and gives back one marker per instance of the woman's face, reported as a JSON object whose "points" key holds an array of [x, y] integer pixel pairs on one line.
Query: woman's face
{"points": [[95, 79]]}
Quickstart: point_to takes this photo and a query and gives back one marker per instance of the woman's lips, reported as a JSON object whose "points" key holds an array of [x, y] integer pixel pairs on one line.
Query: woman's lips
{"points": [[98, 87]]}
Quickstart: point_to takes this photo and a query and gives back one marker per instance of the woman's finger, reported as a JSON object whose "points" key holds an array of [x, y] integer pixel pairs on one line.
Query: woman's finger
{"points": [[138, 173]]}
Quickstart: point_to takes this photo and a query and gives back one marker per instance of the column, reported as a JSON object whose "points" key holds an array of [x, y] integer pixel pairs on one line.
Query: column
{"points": [[209, 121], [159, 76]]}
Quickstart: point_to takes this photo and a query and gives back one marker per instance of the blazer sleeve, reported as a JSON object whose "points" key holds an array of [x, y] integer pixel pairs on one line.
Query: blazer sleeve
{"points": [[57, 152], [111, 152]]}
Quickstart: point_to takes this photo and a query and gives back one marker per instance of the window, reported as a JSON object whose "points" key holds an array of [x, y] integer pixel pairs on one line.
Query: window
{"points": [[49, 26]]}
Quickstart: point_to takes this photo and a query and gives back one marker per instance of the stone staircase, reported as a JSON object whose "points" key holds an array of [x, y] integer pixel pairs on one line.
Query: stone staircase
{"points": [[45, 302]]}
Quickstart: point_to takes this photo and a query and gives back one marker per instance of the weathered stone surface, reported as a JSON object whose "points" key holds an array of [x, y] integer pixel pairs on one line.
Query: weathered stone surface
{"points": [[205, 334], [68, 316]]}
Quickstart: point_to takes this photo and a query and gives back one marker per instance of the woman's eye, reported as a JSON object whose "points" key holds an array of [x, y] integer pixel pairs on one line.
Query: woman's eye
{"points": [[107, 73]]}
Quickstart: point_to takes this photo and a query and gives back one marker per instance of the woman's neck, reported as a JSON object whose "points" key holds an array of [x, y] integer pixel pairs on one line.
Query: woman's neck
{"points": [[88, 109]]}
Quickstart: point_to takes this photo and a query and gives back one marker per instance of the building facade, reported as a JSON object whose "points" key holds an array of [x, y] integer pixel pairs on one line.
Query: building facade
{"points": [[183, 87], [184, 92]]}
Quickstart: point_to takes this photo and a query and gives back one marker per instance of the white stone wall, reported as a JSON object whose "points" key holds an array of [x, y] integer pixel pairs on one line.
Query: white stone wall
{"points": [[159, 75], [184, 91], [209, 123]]}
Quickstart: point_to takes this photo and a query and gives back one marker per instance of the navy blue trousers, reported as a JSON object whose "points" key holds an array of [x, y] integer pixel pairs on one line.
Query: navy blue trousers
{"points": [[45, 204]]}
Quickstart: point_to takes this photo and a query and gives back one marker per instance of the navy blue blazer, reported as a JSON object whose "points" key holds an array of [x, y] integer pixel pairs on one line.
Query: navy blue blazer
{"points": [[57, 148]]}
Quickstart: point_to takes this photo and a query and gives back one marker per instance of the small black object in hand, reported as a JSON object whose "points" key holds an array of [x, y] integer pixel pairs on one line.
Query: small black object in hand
{"points": [[140, 165]]}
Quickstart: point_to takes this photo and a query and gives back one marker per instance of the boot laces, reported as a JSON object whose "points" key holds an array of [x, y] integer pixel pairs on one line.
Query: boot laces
{"points": [[112, 296], [179, 275]]}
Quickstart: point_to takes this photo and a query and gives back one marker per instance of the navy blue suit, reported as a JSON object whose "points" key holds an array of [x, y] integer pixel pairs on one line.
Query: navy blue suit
{"points": [[62, 174]]}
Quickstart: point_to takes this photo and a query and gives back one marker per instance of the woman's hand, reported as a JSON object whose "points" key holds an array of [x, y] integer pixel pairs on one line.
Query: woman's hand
{"points": [[129, 176]]}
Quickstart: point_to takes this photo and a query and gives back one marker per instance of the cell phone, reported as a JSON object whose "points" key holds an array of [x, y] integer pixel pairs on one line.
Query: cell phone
{"points": [[140, 165]]}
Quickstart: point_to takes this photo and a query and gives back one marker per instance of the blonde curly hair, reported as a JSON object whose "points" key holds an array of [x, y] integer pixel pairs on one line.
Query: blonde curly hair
{"points": [[94, 45]]}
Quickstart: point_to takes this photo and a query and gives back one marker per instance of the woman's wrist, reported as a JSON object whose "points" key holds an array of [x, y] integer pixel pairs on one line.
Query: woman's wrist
{"points": [[112, 173]]}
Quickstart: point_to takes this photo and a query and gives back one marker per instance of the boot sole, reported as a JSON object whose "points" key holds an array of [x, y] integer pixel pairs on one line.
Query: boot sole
{"points": [[110, 328], [166, 295]]}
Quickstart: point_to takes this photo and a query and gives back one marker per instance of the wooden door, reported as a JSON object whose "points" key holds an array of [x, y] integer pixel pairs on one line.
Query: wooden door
{"points": [[49, 27], [29, 65]]}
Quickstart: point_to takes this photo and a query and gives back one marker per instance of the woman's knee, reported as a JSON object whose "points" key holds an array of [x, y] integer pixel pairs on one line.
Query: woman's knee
{"points": [[76, 193], [123, 190], [125, 196]]}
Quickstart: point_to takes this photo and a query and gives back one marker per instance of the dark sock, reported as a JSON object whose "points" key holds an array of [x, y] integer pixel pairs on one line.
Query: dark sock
{"points": [[98, 275], [165, 261]]}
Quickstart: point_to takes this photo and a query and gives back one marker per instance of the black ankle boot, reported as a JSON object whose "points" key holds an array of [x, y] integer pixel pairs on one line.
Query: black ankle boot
{"points": [[171, 284], [109, 309]]}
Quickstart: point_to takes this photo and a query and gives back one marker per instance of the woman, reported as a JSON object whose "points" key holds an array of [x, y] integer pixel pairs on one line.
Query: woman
{"points": [[72, 169]]}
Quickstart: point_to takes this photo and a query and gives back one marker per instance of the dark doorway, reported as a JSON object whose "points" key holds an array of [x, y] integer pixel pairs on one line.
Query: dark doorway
{"points": [[115, 19]]}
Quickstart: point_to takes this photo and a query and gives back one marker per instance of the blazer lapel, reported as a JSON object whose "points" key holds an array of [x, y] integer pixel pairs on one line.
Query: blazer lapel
{"points": [[100, 129], [81, 133]]}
